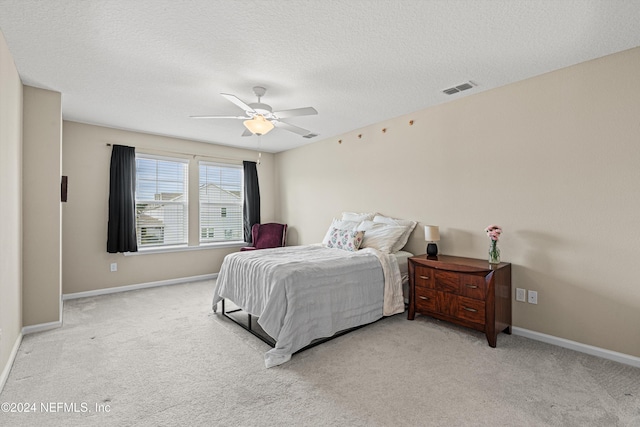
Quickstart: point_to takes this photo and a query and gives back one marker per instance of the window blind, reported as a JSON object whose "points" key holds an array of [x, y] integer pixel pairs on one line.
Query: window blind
{"points": [[221, 196], [162, 201]]}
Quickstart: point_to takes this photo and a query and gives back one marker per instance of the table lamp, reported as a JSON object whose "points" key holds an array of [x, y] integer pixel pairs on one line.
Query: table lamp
{"points": [[432, 235]]}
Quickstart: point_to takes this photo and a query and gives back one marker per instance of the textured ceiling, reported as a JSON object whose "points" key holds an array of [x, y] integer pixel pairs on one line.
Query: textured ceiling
{"points": [[146, 65]]}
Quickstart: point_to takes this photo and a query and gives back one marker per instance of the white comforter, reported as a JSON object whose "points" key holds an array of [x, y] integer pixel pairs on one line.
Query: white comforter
{"points": [[301, 293]]}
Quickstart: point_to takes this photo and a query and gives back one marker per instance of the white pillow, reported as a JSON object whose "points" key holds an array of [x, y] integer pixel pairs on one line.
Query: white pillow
{"points": [[402, 241], [380, 236], [352, 216], [348, 240], [340, 225]]}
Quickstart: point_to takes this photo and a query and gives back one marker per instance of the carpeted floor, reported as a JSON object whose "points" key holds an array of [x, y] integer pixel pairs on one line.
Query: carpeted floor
{"points": [[159, 357]]}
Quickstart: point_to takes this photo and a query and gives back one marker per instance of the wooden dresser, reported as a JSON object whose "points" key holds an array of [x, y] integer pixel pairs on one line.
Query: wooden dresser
{"points": [[466, 291]]}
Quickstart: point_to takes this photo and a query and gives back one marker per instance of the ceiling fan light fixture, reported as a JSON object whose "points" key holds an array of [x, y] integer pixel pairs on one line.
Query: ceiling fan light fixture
{"points": [[258, 125]]}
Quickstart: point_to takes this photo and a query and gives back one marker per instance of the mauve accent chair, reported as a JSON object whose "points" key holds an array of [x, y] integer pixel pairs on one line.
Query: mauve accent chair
{"points": [[269, 235]]}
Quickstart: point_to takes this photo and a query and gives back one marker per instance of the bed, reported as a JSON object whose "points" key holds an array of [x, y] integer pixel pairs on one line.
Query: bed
{"points": [[299, 294]]}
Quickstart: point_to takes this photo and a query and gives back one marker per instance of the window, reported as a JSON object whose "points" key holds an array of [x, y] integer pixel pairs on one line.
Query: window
{"points": [[207, 232], [162, 201], [221, 197]]}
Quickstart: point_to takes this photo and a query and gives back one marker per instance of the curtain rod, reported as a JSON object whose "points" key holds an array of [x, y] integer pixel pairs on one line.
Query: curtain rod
{"points": [[189, 154]]}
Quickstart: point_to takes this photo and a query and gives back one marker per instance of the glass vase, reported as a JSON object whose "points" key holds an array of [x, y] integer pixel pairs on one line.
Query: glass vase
{"points": [[494, 253]]}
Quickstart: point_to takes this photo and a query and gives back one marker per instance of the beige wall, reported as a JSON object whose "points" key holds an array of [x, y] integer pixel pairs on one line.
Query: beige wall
{"points": [[553, 159], [11, 196], [86, 159], [42, 150]]}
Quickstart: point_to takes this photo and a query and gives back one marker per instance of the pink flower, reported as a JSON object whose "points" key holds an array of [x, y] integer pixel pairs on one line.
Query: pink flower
{"points": [[493, 231]]}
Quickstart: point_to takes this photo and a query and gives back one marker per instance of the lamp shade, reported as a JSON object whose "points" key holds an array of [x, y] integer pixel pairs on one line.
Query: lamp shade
{"points": [[258, 125], [431, 233]]}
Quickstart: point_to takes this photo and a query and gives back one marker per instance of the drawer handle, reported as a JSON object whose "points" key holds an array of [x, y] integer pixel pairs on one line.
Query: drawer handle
{"points": [[424, 298], [473, 310], [424, 277], [471, 286]]}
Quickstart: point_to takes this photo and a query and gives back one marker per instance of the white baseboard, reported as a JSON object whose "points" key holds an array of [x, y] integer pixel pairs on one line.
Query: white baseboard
{"points": [[627, 359], [41, 327], [106, 291], [7, 368]]}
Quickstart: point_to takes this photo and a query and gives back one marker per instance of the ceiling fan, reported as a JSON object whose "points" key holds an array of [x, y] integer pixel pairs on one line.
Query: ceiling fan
{"points": [[260, 118]]}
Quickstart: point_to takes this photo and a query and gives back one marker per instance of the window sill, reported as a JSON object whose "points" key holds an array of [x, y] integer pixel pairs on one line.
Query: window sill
{"points": [[170, 249]]}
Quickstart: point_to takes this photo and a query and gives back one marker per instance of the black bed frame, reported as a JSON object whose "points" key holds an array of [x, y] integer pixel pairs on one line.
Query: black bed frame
{"points": [[250, 323]]}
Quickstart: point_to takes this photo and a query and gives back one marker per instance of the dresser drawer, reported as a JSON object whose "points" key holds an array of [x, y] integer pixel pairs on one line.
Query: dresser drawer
{"points": [[471, 309], [447, 281], [423, 277], [473, 286], [425, 300], [447, 303]]}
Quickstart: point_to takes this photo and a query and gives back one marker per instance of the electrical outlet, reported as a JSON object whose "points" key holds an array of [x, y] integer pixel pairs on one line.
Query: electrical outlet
{"points": [[520, 295], [533, 297], [114, 266]]}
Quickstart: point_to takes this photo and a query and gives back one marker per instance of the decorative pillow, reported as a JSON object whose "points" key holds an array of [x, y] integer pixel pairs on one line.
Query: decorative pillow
{"points": [[352, 216], [380, 236], [402, 241], [340, 225], [348, 240]]}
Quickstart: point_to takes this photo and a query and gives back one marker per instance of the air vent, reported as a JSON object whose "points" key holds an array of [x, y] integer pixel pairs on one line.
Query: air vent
{"points": [[310, 135], [459, 88]]}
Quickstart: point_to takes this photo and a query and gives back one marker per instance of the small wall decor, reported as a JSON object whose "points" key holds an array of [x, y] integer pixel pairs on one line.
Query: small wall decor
{"points": [[63, 188]]}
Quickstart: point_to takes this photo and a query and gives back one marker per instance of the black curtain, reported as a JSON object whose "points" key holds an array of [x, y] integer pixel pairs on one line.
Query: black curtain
{"points": [[251, 207], [121, 234]]}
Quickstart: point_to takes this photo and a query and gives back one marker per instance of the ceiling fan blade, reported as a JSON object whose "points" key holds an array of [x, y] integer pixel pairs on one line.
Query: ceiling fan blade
{"points": [[238, 102], [219, 117], [306, 111], [247, 132], [291, 128]]}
